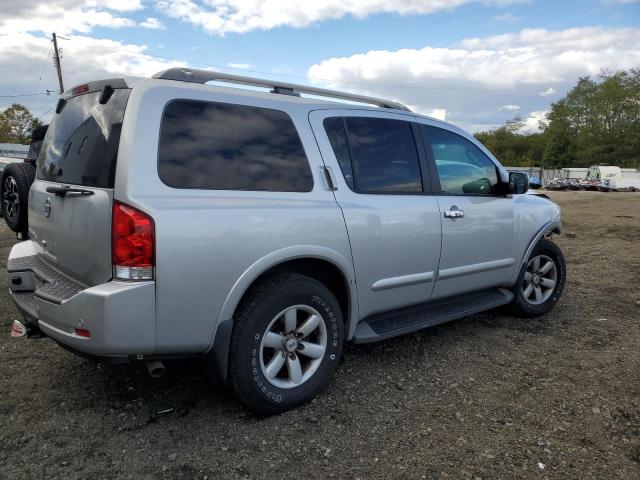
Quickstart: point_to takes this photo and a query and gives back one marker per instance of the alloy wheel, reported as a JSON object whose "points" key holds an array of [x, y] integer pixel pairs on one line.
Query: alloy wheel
{"points": [[293, 346], [10, 197], [539, 279]]}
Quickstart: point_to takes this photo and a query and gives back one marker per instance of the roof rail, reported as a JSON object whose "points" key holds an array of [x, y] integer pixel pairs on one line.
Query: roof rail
{"points": [[204, 76]]}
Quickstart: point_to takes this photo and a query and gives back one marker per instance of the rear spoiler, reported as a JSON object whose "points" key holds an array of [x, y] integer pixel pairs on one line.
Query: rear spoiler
{"points": [[107, 88], [95, 86]]}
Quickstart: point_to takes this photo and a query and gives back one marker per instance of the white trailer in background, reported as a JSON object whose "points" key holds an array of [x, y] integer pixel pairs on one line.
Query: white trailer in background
{"points": [[615, 175]]}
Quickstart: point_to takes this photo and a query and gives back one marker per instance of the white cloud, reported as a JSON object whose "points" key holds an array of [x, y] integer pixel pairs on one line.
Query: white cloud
{"points": [[68, 16], [239, 66], [153, 24], [239, 16], [439, 113], [509, 108], [470, 78], [532, 122], [547, 92], [119, 5], [507, 18], [85, 59]]}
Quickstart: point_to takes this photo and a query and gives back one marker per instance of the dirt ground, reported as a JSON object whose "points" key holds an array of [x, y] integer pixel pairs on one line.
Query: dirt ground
{"points": [[487, 397]]}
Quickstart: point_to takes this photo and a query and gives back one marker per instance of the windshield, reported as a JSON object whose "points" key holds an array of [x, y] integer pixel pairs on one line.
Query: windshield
{"points": [[81, 144]]}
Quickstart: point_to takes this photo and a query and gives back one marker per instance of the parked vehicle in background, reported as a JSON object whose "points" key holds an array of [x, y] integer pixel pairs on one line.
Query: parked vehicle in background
{"points": [[262, 230], [4, 161], [16, 177], [614, 176]]}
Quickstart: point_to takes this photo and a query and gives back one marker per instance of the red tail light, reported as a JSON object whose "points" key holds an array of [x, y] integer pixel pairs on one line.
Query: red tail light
{"points": [[132, 243]]}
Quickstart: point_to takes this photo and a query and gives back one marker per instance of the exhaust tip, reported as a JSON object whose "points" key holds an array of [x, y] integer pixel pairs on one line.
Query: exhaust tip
{"points": [[155, 368]]}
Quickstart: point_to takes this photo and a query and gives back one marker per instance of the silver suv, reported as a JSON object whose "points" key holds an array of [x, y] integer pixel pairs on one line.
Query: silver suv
{"points": [[262, 230]]}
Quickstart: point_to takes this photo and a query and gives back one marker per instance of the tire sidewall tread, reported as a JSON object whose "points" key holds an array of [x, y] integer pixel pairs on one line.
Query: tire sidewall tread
{"points": [[253, 316], [520, 306], [24, 174]]}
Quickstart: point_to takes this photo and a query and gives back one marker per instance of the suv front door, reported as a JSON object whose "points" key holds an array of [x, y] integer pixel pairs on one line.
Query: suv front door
{"points": [[477, 218], [383, 189]]}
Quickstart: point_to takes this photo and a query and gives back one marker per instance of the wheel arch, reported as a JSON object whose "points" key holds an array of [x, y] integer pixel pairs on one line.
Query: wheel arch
{"points": [[552, 227], [326, 265]]}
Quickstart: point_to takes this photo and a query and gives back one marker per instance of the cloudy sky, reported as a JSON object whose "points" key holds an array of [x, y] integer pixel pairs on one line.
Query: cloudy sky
{"points": [[476, 63]]}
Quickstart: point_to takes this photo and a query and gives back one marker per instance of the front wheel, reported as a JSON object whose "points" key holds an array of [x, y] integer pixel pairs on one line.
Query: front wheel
{"points": [[541, 282], [286, 343]]}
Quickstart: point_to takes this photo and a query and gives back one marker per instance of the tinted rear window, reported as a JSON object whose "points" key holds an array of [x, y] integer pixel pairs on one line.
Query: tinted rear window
{"points": [[219, 146], [81, 144], [337, 134]]}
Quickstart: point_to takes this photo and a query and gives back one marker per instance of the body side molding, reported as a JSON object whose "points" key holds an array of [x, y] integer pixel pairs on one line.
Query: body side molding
{"points": [[402, 281], [475, 268]]}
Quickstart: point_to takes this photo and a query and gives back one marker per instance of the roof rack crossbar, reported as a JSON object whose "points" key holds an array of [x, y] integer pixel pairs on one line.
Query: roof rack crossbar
{"points": [[204, 76]]}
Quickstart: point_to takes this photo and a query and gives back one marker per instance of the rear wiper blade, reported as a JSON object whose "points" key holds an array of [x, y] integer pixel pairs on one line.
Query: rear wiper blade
{"points": [[62, 191]]}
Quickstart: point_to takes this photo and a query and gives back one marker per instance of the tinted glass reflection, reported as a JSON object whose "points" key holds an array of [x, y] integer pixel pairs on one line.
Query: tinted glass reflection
{"points": [[219, 146], [81, 143], [462, 167], [384, 155], [334, 126]]}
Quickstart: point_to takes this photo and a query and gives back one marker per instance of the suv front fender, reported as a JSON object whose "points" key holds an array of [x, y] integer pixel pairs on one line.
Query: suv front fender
{"points": [[554, 226]]}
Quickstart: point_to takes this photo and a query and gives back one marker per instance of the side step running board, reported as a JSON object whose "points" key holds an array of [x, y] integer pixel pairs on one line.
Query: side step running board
{"points": [[391, 324]]}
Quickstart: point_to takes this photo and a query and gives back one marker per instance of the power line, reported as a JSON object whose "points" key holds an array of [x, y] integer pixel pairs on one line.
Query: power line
{"points": [[44, 65], [24, 95]]}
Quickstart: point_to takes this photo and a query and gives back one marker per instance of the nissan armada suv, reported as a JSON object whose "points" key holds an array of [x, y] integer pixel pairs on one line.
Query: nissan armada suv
{"points": [[262, 229]]}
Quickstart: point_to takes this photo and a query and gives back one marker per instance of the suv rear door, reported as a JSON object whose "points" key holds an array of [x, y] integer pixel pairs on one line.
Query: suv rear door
{"points": [[73, 230], [382, 187], [477, 218]]}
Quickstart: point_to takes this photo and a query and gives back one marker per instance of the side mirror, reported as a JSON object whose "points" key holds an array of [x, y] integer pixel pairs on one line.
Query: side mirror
{"points": [[518, 183]]}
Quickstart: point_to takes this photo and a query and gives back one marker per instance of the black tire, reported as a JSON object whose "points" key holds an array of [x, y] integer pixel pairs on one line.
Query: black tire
{"points": [[15, 183], [523, 307], [253, 317]]}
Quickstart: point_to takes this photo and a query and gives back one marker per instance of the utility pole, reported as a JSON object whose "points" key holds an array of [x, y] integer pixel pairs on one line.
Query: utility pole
{"points": [[56, 59]]}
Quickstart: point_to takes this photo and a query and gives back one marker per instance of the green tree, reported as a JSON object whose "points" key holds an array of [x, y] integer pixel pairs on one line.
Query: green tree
{"points": [[598, 121], [513, 147], [16, 124]]}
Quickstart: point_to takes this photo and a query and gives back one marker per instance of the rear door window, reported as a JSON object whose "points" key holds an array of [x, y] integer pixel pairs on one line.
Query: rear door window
{"points": [[378, 155], [337, 133], [81, 143], [220, 146]]}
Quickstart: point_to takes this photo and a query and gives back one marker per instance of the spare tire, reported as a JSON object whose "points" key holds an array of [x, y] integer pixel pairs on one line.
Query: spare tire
{"points": [[15, 183]]}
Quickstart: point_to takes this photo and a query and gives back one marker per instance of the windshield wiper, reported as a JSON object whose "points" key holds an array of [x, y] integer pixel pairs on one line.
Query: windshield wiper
{"points": [[62, 191]]}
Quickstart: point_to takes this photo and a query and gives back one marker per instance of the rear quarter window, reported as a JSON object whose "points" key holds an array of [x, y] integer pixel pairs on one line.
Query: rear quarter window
{"points": [[220, 146]]}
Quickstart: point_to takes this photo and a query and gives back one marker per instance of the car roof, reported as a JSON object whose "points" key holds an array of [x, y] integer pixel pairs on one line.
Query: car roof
{"points": [[242, 86]]}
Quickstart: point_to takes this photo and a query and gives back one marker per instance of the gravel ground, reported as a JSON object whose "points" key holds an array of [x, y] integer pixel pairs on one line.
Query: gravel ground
{"points": [[487, 397]]}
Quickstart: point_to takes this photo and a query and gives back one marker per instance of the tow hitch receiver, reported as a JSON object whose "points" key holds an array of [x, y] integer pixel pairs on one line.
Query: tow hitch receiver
{"points": [[18, 329]]}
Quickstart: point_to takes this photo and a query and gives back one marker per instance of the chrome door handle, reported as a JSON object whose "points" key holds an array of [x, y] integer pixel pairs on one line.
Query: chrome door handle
{"points": [[453, 213]]}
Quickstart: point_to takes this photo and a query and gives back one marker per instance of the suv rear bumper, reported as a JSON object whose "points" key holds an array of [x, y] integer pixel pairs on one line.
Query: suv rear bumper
{"points": [[120, 316]]}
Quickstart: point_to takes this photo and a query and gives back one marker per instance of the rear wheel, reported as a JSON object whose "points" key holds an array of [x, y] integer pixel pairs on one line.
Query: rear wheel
{"points": [[15, 183], [286, 343], [541, 281]]}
